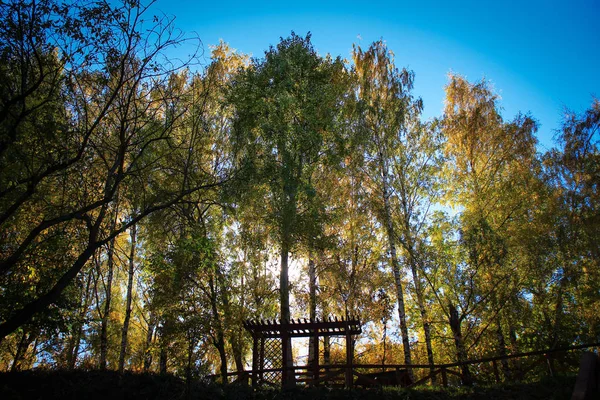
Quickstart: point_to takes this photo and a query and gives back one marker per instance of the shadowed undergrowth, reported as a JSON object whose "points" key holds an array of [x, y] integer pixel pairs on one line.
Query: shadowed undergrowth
{"points": [[111, 385]]}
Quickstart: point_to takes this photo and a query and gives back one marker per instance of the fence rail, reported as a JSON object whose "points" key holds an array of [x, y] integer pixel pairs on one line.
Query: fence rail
{"points": [[334, 374]]}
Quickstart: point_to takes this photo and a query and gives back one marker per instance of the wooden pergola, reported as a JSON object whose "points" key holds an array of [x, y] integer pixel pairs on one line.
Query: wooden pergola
{"points": [[281, 331]]}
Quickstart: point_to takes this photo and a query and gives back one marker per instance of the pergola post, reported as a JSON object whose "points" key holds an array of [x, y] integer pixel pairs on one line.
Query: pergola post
{"points": [[261, 364], [254, 360], [286, 380], [315, 365], [349, 357]]}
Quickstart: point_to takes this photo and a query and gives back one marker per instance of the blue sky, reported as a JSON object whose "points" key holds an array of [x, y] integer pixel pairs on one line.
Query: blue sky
{"points": [[541, 56]]}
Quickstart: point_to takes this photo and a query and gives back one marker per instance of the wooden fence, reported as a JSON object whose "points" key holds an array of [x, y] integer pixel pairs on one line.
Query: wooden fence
{"points": [[489, 369]]}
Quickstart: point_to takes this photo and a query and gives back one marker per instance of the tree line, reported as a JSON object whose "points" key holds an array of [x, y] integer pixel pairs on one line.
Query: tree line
{"points": [[149, 205]]}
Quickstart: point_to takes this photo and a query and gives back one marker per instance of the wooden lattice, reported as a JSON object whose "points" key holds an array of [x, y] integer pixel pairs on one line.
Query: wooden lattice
{"points": [[272, 360], [268, 352]]}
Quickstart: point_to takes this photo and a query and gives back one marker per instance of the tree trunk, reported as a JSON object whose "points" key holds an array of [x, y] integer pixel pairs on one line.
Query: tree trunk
{"points": [[238, 357], [312, 305], [502, 348], [232, 321], [108, 296], [125, 331], [514, 349], [424, 316], [219, 338], [220, 345], [326, 351], [384, 341], [558, 313], [284, 294], [219, 341], [391, 237], [163, 359], [188, 368], [237, 350], [326, 342], [429, 346], [237, 341], [148, 345], [461, 352], [74, 351], [164, 347], [107, 301], [24, 315], [21, 349]]}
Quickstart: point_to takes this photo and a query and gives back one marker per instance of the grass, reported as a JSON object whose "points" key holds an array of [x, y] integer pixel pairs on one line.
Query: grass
{"points": [[110, 385]]}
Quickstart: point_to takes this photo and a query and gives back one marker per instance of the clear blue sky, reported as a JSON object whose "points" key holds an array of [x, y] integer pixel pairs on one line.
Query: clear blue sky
{"points": [[541, 56]]}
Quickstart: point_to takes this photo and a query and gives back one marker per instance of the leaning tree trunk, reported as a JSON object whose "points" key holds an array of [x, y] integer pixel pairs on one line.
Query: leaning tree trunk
{"points": [[125, 329], [21, 349]]}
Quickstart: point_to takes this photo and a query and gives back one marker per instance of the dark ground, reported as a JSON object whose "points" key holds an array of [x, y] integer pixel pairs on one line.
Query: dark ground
{"points": [[110, 385]]}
